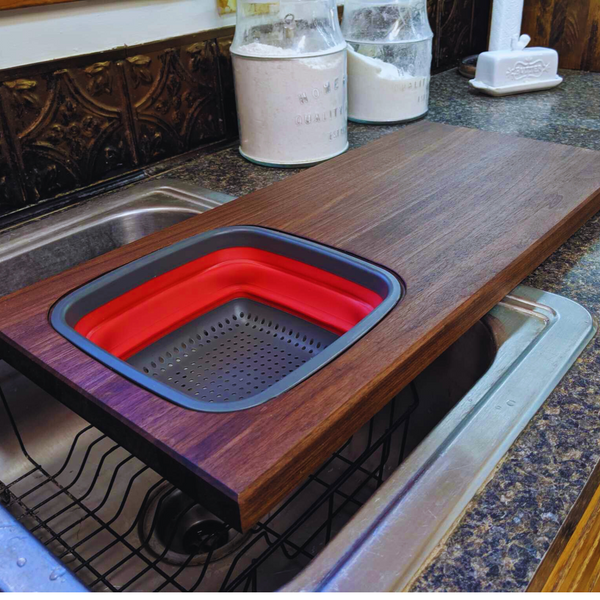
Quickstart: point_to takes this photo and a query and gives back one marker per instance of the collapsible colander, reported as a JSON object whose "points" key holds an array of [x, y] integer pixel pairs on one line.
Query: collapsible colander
{"points": [[228, 319]]}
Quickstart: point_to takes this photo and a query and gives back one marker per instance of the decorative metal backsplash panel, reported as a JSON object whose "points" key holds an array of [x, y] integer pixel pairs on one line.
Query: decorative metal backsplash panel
{"points": [[68, 127], [175, 98], [68, 124], [11, 194], [71, 123]]}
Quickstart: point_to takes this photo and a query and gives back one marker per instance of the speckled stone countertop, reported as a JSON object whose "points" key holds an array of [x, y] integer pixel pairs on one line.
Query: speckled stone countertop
{"points": [[509, 525]]}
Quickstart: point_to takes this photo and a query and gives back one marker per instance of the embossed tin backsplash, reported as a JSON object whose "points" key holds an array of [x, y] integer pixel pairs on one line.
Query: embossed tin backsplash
{"points": [[69, 124]]}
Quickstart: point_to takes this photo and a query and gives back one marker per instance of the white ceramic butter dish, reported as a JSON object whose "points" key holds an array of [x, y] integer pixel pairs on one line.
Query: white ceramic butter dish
{"points": [[504, 72]]}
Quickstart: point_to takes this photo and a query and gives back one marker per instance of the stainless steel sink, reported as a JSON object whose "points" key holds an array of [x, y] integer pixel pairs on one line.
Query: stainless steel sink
{"points": [[366, 520], [63, 239]]}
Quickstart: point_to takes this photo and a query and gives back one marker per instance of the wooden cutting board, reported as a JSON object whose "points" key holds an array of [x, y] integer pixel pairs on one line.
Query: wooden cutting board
{"points": [[461, 215]]}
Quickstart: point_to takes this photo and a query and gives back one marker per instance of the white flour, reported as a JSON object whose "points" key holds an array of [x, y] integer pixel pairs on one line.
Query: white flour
{"points": [[290, 111], [258, 49], [380, 92]]}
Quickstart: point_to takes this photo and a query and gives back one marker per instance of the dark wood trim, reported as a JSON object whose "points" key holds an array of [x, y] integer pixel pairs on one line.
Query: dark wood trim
{"points": [[12, 4]]}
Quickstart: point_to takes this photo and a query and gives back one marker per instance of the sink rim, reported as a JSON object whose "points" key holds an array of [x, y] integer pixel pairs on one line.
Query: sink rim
{"points": [[169, 195], [366, 555], [164, 196]]}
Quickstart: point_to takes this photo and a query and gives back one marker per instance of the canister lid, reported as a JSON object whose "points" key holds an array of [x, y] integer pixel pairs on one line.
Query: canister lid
{"points": [[388, 22], [287, 29]]}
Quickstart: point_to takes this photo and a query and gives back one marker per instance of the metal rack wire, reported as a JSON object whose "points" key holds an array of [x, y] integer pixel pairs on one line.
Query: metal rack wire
{"points": [[89, 513]]}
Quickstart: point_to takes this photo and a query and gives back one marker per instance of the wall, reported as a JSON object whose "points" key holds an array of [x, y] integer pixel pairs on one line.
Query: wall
{"points": [[572, 27], [31, 35]]}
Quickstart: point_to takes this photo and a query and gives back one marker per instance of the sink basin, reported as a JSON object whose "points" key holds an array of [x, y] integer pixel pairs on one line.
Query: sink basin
{"points": [[228, 319], [53, 243], [407, 475]]}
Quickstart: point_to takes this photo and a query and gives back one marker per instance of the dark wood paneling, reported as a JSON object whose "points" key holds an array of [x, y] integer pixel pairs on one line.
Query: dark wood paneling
{"points": [[572, 27], [7, 4], [460, 28], [227, 85], [69, 127], [461, 215]]}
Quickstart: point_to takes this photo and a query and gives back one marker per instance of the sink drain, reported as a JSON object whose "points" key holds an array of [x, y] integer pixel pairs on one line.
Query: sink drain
{"points": [[175, 527]]}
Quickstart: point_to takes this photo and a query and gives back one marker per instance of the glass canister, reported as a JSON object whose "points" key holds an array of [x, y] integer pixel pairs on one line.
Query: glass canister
{"points": [[389, 60], [289, 64]]}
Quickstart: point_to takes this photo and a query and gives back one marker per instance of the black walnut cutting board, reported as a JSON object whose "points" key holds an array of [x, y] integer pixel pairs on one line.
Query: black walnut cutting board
{"points": [[461, 215]]}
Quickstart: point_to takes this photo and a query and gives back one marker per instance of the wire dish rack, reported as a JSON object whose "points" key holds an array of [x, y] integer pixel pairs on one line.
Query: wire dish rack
{"points": [[119, 526]]}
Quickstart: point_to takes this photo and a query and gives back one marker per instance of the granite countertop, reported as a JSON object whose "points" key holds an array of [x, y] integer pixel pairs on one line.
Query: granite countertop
{"points": [[509, 525]]}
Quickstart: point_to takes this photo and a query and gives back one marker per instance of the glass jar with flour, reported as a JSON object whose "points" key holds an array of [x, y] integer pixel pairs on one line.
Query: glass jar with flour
{"points": [[289, 64], [389, 60]]}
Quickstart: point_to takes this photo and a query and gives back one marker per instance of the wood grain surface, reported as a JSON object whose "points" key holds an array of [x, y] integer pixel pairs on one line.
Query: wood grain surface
{"points": [[572, 564], [572, 27], [461, 215], [6, 4]]}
